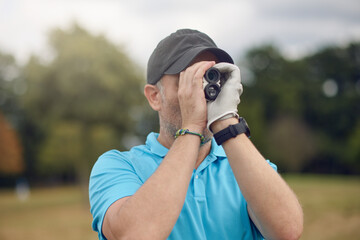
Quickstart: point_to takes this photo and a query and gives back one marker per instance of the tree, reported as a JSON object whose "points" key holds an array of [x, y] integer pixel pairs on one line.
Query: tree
{"points": [[273, 103], [305, 113], [333, 106], [11, 157], [85, 101]]}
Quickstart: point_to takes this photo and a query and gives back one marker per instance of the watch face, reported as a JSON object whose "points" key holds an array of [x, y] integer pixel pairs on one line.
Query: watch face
{"points": [[242, 120]]}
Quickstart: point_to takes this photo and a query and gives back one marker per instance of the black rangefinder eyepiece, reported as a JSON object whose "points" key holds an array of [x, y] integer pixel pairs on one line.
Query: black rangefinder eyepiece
{"points": [[212, 84], [212, 75]]}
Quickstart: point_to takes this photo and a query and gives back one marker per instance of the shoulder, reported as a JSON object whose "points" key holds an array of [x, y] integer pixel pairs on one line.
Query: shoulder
{"points": [[114, 156], [138, 160], [110, 159]]}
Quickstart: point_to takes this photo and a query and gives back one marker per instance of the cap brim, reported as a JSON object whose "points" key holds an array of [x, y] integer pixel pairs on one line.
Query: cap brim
{"points": [[184, 61]]}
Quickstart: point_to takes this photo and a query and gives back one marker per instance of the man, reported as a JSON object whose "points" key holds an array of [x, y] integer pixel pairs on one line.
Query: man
{"points": [[181, 184]]}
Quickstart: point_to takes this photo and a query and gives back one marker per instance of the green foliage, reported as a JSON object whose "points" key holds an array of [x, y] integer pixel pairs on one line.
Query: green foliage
{"points": [[89, 80], [10, 87], [11, 150], [292, 143], [305, 114], [85, 100]]}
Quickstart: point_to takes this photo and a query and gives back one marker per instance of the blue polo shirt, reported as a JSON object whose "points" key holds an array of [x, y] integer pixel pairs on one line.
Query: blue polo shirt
{"points": [[214, 207]]}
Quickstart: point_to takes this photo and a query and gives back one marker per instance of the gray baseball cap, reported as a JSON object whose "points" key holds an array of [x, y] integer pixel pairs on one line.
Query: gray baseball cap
{"points": [[174, 53]]}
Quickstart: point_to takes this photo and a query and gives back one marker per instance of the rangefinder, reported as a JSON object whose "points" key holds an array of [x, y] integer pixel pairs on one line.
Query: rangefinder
{"points": [[211, 83]]}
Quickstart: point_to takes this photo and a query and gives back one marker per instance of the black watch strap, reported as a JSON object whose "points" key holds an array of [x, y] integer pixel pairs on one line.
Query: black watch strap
{"points": [[232, 131]]}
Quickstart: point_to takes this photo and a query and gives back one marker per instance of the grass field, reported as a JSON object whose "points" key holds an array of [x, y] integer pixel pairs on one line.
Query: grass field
{"points": [[331, 207]]}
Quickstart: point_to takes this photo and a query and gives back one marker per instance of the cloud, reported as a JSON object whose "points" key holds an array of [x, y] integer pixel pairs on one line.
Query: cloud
{"points": [[235, 25], [310, 10], [299, 27]]}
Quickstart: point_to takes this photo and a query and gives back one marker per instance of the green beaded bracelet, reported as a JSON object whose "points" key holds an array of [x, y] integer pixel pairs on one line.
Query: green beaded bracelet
{"points": [[183, 131]]}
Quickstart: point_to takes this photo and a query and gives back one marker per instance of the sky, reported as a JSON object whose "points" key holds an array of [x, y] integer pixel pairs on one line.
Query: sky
{"points": [[297, 27]]}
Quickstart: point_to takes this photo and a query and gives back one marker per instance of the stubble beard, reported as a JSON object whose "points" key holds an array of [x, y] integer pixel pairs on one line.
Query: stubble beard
{"points": [[172, 123]]}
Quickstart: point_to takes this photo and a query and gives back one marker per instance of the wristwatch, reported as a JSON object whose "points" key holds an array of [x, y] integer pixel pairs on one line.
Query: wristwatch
{"points": [[232, 131]]}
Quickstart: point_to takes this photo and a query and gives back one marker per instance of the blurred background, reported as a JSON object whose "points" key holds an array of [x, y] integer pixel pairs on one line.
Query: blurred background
{"points": [[71, 80]]}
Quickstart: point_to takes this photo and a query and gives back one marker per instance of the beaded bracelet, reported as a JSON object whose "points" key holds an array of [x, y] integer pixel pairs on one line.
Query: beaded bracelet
{"points": [[183, 131]]}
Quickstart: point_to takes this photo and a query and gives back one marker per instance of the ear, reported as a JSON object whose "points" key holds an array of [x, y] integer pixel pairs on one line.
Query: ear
{"points": [[152, 94]]}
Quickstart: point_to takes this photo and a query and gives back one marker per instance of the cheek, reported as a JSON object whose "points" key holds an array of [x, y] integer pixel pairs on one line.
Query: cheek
{"points": [[171, 99], [173, 106]]}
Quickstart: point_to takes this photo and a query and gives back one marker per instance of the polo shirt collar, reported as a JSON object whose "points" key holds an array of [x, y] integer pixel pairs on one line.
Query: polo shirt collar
{"points": [[154, 145], [216, 149], [161, 151]]}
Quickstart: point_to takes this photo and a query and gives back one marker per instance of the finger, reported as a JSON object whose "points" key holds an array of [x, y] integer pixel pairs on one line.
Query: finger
{"points": [[198, 71], [186, 77], [226, 67]]}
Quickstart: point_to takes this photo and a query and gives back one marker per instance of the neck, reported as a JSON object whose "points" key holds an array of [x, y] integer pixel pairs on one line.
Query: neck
{"points": [[167, 139]]}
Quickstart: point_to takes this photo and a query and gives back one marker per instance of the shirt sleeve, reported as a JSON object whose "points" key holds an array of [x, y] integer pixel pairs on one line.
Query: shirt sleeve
{"points": [[273, 165], [112, 178]]}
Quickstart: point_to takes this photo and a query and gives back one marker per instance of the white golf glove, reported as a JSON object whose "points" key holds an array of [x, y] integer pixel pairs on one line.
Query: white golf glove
{"points": [[225, 105]]}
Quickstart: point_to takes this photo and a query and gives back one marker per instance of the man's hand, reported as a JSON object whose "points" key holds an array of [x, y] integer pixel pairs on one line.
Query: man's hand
{"points": [[225, 105], [191, 96]]}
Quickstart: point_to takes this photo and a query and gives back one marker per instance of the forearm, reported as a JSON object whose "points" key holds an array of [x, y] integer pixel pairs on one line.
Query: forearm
{"points": [[273, 206], [152, 211]]}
